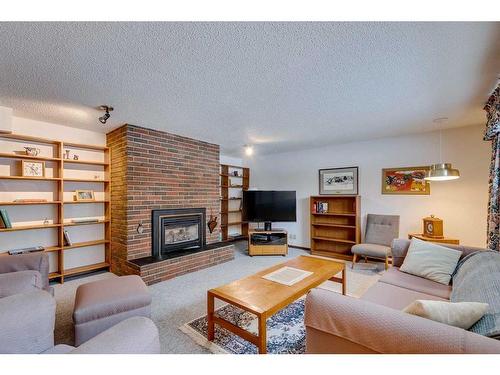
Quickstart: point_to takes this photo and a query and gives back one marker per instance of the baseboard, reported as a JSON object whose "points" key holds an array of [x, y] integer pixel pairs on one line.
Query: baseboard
{"points": [[300, 247]]}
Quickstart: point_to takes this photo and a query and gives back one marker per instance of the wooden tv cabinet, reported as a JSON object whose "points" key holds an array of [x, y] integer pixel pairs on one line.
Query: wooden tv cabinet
{"points": [[262, 242]]}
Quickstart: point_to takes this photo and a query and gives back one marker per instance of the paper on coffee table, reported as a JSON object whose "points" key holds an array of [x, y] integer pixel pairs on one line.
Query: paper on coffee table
{"points": [[287, 275]]}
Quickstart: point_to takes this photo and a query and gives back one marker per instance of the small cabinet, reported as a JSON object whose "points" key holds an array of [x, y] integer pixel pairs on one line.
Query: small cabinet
{"points": [[274, 242]]}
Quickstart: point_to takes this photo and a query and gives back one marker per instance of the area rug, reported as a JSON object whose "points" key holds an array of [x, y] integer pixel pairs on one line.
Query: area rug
{"points": [[286, 333], [285, 330]]}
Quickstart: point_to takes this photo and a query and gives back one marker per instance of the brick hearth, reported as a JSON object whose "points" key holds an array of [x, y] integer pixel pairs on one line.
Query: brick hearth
{"points": [[156, 170]]}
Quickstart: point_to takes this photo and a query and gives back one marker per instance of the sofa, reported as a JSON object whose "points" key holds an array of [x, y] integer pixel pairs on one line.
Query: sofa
{"points": [[28, 308], [375, 323]]}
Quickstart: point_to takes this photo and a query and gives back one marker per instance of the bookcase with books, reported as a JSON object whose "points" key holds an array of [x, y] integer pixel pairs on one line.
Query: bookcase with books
{"points": [[335, 225], [54, 195]]}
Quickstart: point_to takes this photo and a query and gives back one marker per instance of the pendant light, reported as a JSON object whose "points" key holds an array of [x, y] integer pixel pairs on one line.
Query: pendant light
{"points": [[441, 171]]}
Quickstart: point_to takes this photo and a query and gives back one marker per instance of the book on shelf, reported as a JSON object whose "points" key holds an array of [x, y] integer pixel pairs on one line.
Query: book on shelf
{"points": [[4, 219], [26, 250], [320, 207], [67, 239], [85, 220], [30, 200]]}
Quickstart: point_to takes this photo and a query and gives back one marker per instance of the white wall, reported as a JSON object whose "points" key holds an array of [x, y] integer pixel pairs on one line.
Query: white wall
{"points": [[231, 160], [462, 203], [25, 215]]}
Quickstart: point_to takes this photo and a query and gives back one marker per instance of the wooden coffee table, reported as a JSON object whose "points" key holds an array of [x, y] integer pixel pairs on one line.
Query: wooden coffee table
{"points": [[264, 297]]}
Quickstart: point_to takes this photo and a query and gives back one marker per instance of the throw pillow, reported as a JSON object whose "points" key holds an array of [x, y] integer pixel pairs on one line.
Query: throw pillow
{"points": [[430, 261], [457, 314]]}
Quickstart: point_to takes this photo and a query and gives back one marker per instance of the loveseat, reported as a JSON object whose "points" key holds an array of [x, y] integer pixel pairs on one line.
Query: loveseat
{"points": [[375, 323]]}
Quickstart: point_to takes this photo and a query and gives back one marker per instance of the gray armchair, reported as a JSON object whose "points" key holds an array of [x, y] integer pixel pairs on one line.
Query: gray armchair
{"points": [[380, 231], [24, 273], [28, 308]]}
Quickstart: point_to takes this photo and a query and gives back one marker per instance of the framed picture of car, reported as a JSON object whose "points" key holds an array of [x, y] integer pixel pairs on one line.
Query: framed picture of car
{"points": [[338, 181]]}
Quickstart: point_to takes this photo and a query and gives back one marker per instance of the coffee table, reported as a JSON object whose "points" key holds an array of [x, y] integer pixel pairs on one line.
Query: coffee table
{"points": [[264, 298]]}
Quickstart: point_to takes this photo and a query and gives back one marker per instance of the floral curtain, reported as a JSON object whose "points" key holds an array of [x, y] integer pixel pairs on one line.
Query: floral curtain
{"points": [[492, 134]]}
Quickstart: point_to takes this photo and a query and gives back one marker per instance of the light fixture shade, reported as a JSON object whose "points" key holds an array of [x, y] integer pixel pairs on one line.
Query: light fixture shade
{"points": [[442, 172]]}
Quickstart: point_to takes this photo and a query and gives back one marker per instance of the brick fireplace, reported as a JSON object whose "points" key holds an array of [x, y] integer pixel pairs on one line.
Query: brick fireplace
{"points": [[154, 170]]}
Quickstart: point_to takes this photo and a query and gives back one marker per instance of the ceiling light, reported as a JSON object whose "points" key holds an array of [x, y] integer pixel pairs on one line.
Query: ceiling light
{"points": [[441, 171], [248, 150], [106, 116]]}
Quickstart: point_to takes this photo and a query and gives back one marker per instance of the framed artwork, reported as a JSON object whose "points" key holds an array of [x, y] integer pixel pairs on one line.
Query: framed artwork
{"points": [[408, 180], [338, 181], [32, 168], [85, 195]]}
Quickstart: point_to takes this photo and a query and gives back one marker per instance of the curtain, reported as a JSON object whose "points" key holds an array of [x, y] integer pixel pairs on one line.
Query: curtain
{"points": [[492, 134]]}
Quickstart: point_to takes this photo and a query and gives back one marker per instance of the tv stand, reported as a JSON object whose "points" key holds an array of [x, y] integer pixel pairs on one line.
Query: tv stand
{"points": [[267, 242]]}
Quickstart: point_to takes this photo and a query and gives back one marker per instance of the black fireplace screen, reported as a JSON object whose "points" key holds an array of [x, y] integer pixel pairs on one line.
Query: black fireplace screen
{"points": [[181, 232]]}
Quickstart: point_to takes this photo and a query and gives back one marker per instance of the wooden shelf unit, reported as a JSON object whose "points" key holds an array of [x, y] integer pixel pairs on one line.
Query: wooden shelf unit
{"points": [[231, 216], [59, 180], [334, 232]]}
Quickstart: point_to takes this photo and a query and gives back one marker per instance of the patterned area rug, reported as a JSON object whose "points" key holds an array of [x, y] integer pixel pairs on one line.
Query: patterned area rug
{"points": [[285, 329], [286, 333]]}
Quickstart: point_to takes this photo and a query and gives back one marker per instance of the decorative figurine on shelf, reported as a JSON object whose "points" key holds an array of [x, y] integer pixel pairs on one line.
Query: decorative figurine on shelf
{"points": [[212, 222], [46, 221], [235, 173], [66, 154], [32, 151], [75, 157]]}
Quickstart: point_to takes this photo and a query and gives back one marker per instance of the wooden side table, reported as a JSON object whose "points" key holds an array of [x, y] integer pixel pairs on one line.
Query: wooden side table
{"points": [[451, 241]]}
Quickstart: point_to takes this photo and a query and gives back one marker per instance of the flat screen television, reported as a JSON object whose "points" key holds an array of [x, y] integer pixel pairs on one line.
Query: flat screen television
{"points": [[269, 206]]}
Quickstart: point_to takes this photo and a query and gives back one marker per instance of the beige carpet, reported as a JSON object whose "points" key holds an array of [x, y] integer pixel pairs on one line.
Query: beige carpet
{"points": [[180, 300]]}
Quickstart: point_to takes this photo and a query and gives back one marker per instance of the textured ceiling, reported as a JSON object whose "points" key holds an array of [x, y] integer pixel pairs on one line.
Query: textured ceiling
{"points": [[278, 86]]}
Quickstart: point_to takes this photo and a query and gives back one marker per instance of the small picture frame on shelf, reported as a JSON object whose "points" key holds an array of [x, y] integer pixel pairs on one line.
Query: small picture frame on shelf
{"points": [[84, 195], [338, 181], [33, 168]]}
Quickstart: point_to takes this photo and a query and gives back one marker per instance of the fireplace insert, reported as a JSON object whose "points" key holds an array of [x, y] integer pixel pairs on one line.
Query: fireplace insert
{"points": [[177, 230]]}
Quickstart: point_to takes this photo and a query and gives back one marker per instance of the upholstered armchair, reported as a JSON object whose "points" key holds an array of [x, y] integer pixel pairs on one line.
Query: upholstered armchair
{"points": [[28, 311], [24, 273], [380, 231]]}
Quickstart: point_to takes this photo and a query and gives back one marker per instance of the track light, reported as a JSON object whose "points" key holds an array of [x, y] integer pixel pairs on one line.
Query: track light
{"points": [[106, 116]]}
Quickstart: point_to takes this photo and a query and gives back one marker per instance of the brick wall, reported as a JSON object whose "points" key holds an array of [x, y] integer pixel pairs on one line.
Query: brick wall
{"points": [[167, 269], [151, 169]]}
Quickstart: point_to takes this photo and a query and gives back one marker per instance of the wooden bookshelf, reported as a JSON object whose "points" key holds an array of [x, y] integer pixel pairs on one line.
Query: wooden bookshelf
{"points": [[58, 179], [28, 203], [230, 212], [29, 227], [335, 231]]}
